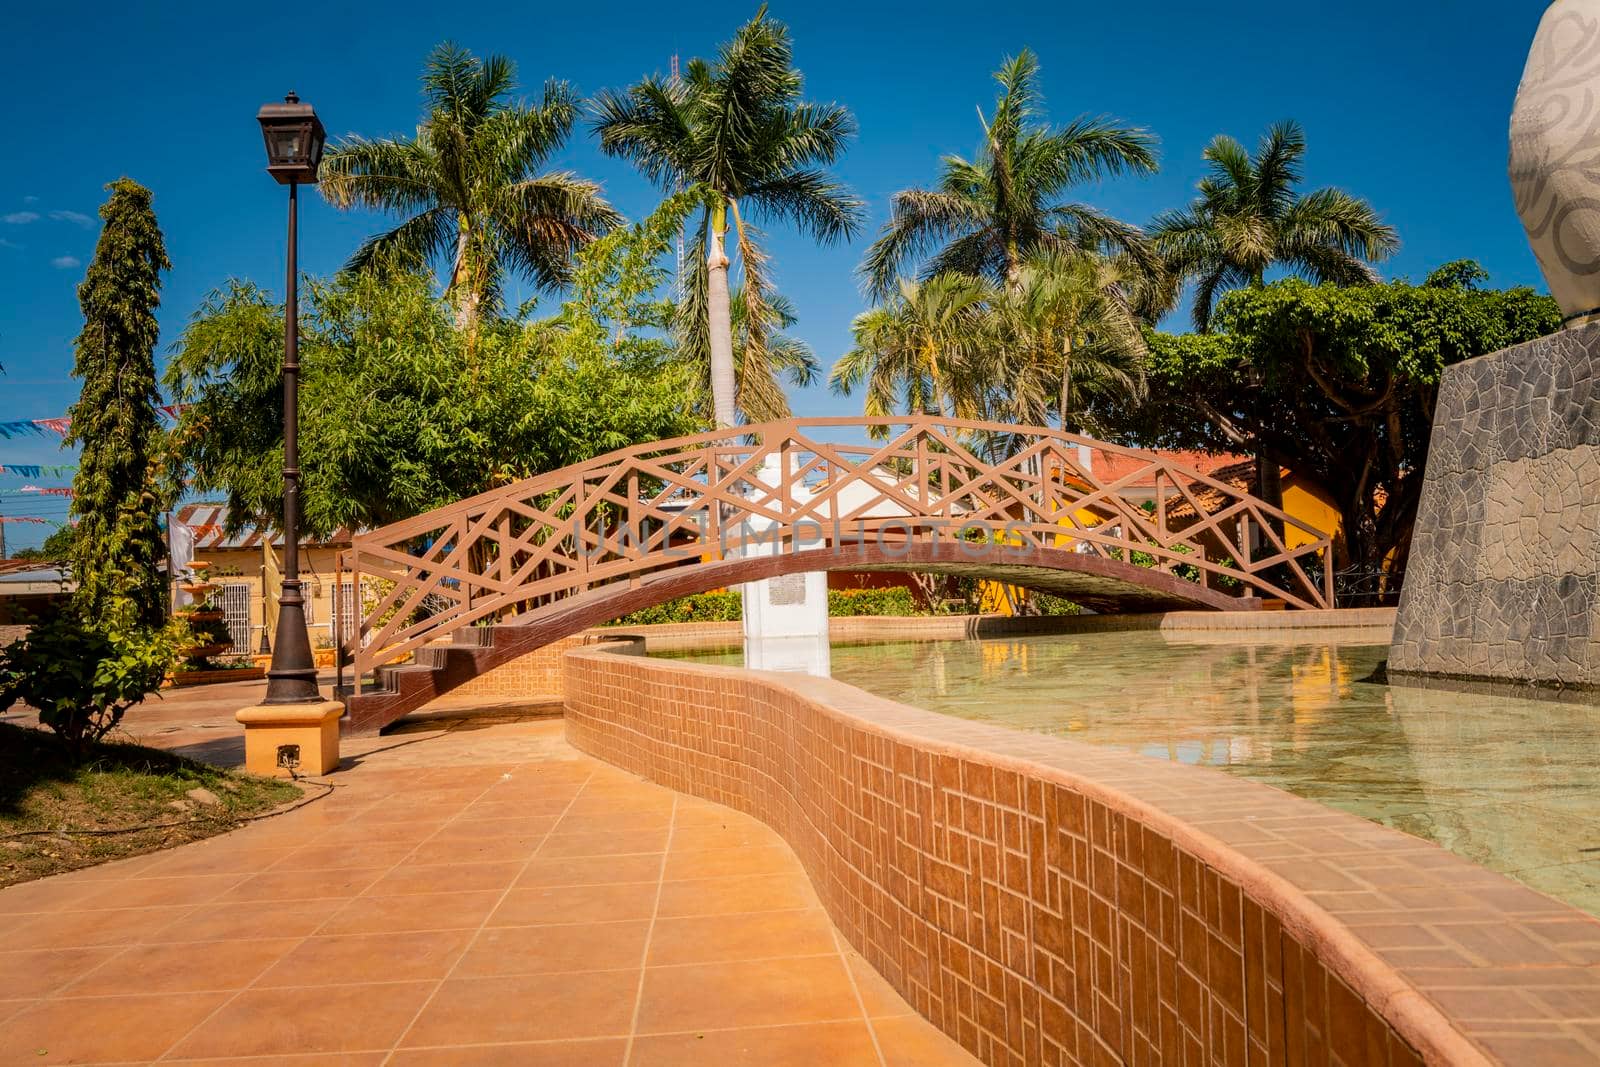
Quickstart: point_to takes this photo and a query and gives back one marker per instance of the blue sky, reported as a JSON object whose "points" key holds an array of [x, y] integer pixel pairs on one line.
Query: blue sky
{"points": [[1404, 103]]}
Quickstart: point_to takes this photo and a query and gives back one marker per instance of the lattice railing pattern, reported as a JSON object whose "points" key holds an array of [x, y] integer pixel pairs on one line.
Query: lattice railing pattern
{"points": [[632, 513]]}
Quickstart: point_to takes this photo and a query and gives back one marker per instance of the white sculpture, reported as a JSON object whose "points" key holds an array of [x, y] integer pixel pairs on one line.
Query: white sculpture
{"points": [[1555, 154]]}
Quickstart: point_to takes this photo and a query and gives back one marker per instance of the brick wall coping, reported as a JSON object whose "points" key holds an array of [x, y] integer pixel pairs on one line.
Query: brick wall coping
{"points": [[1466, 965], [682, 636]]}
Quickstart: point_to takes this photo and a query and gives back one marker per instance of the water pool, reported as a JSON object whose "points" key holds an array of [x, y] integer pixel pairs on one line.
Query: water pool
{"points": [[1511, 783]]}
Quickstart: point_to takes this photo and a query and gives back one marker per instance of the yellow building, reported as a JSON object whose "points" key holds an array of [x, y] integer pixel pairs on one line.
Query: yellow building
{"points": [[248, 568]]}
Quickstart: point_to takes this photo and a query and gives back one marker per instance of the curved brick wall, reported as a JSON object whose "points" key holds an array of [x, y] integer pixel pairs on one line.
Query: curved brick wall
{"points": [[1049, 902]]}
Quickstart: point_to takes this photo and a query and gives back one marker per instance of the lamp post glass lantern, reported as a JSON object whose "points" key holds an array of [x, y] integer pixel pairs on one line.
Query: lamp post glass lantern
{"points": [[294, 138]]}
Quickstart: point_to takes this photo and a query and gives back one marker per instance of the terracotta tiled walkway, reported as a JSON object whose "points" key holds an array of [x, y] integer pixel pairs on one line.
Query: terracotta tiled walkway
{"points": [[481, 896]]}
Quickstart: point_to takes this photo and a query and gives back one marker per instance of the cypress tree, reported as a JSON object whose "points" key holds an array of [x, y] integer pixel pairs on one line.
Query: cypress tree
{"points": [[117, 547]]}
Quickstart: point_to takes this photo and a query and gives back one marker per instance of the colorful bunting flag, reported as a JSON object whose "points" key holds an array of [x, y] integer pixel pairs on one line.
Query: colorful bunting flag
{"points": [[38, 470], [36, 427]]}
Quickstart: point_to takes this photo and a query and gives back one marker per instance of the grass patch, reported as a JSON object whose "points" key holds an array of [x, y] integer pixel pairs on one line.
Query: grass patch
{"points": [[116, 787]]}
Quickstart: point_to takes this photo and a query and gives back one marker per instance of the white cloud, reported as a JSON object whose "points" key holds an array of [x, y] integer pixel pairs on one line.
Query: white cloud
{"points": [[77, 218], [30, 200], [8, 244], [20, 218], [66, 262]]}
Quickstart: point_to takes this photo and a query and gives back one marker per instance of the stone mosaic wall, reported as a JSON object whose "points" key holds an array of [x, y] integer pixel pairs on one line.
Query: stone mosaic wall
{"points": [[1048, 902], [1505, 565]]}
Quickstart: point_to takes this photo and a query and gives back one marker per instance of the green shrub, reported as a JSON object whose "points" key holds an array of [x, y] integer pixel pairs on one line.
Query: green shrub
{"points": [[894, 600], [1050, 604], [726, 606], [81, 679]]}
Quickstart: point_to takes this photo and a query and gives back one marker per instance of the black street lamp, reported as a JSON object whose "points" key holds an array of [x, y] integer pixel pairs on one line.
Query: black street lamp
{"points": [[294, 137]]}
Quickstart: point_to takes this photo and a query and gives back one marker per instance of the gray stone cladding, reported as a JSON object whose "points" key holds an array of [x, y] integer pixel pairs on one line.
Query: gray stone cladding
{"points": [[1503, 574]]}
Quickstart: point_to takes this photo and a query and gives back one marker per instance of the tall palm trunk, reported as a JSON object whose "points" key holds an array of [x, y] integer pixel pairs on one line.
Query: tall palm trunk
{"points": [[720, 324], [1066, 382], [464, 287]]}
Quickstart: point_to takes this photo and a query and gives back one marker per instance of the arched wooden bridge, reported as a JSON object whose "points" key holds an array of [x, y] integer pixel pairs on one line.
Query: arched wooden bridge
{"points": [[457, 591]]}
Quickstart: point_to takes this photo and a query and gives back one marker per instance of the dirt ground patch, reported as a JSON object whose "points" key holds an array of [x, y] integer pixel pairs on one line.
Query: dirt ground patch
{"points": [[59, 814]]}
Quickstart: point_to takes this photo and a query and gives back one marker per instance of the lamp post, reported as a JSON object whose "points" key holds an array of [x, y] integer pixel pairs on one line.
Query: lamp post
{"points": [[294, 138]]}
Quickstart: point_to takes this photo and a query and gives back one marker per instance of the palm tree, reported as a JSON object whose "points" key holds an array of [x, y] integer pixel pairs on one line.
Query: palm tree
{"points": [[1249, 219], [758, 362], [1067, 339], [469, 187], [738, 128], [990, 214], [913, 349]]}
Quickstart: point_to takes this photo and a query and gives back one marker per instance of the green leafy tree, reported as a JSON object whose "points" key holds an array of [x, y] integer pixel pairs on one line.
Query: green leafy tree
{"points": [[1050, 347], [82, 669], [396, 418], [1336, 383], [912, 351], [57, 547], [468, 186], [1249, 219], [989, 214], [737, 127], [1067, 343], [117, 549]]}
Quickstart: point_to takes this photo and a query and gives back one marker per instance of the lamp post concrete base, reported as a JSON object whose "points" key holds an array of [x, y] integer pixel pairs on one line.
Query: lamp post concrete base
{"points": [[281, 740]]}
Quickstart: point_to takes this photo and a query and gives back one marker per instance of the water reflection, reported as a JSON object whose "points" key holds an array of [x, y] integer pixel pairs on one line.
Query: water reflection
{"points": [[1508, 782]]}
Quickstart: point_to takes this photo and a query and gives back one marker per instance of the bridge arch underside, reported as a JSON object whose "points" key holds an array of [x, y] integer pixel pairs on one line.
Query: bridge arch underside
{"points": [[1101, 584], [1098, 583]]}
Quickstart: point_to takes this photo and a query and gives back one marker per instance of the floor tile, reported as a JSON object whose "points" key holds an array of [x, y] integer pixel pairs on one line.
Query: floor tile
{"points": [[727, 896], [347, 959], [605, 1052], [757, 993], [509, 848], [37, 972], [446, 877], [527, 1008], [589, 870], [271, 1022], [413, 911], [83, 929], [576, 904], [46, 895], [604, 843], [878, 997], [912, 1041], [233, 860], [467, 829], [547, 949], [746, 833], [255, 920], [344, 857], [190, 889], [471, 905], [591, 824], [314, 1059], [683, 864], [102, 1028], [751, 936], [179, 968], [304, 885], [841, 1044]]}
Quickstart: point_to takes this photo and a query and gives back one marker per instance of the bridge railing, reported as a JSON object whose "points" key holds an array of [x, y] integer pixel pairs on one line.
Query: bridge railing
{"points": [[627, 515]]}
